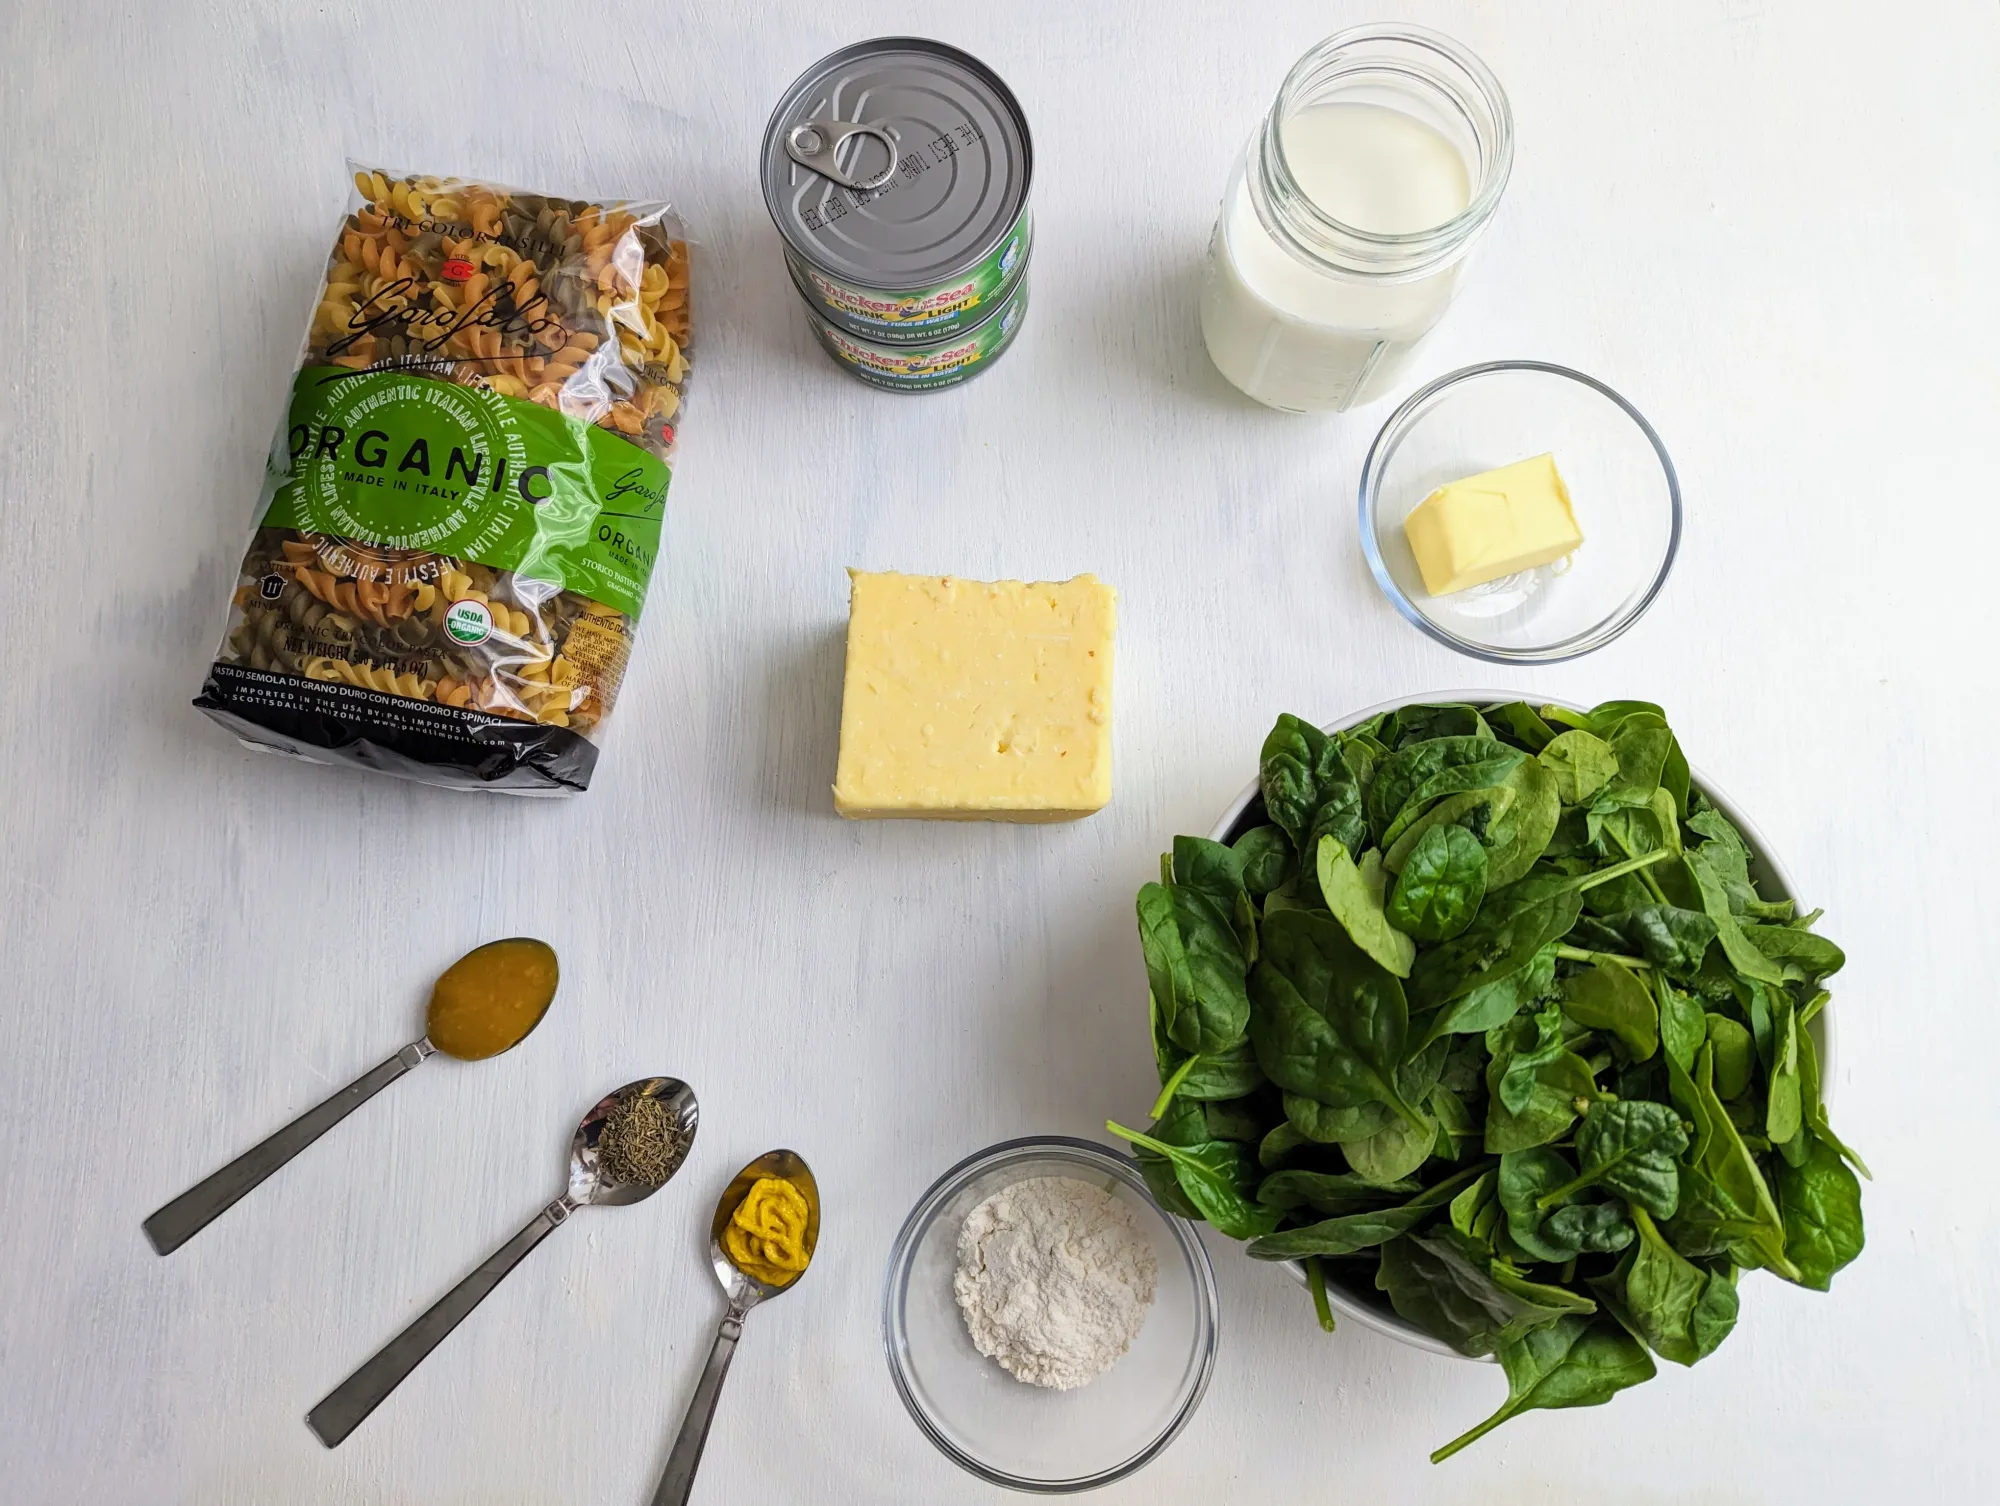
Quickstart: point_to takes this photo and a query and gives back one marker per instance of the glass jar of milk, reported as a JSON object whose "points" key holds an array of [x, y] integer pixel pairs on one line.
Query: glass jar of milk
{"points": [[1349, 216]]}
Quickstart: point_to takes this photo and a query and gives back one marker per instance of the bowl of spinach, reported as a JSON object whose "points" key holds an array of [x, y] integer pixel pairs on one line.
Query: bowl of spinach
{"points": [[1506, 1031]]}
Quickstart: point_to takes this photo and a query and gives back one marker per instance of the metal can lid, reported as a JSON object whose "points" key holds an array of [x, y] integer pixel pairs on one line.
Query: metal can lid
{"points": [[896, 163]]}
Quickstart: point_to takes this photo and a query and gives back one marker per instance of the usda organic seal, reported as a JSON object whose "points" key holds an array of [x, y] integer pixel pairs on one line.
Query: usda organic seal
{"points": [[468, 622]]}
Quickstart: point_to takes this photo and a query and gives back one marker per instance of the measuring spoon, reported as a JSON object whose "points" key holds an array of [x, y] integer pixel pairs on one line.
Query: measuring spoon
{"points": [[589, 1182], [483, 1004]]}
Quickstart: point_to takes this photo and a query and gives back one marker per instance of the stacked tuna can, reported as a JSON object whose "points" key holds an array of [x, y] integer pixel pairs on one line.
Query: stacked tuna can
{"points": [[897, 172]]}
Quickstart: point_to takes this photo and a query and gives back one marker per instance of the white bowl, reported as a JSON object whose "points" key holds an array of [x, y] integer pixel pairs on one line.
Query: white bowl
{"points": [[1772, 880]]}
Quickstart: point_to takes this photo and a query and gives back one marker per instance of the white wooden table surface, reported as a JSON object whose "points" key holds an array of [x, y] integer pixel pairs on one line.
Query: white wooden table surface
{"points": [[1775, 224]]}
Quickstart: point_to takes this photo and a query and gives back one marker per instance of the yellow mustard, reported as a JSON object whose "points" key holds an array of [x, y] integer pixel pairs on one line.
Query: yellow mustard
{"points": [[766, 1235]]}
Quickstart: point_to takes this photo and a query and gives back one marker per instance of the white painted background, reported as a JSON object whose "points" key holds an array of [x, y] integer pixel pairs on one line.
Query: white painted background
{"points": [[1776, 226]]}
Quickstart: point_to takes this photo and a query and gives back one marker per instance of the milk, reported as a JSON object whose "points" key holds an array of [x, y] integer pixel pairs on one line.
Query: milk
{"points": [[1303, 335]]}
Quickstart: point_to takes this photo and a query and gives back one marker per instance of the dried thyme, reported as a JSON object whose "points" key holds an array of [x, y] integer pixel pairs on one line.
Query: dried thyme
{"points": [[642, 1141]]}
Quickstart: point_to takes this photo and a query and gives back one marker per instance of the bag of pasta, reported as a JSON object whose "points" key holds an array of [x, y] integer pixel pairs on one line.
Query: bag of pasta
{"points": [[464, 502]]}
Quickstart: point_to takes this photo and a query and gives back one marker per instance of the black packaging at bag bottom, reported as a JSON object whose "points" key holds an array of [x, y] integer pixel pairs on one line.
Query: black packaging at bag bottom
{"points": [[335, 723]]}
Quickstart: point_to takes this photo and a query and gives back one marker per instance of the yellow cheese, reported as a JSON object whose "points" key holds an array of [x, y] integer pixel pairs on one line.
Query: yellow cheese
{"points": [[974, 700], [1491, 525]]}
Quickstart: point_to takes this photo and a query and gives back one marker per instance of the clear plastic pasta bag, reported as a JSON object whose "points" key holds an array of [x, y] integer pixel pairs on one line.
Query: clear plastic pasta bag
{"points": [[465, 499]]}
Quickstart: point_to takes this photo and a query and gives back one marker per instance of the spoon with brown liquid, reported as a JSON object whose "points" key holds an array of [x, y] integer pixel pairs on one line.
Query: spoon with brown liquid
{"points": [[483, 1004]]}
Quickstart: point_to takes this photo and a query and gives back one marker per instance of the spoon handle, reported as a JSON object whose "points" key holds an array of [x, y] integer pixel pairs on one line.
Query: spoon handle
{"points": [[367, 1388], [198, 1207], [678, 1482]]}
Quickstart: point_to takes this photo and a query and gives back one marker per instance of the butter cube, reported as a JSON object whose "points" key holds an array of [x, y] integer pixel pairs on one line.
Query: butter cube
{"points": [[975, 700], [1492, 524]]}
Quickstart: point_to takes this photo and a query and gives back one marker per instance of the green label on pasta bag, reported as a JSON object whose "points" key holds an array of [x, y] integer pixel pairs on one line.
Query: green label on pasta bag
{"points": [[412, 462]]}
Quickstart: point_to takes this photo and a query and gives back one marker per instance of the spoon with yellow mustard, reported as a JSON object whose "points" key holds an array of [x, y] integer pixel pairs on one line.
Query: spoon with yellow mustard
{"points": [[483, 1004], [765, 1229]]}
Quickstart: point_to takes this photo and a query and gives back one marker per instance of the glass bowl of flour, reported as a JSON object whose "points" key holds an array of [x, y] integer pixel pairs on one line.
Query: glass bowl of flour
{"points": [[1048, 1327]]}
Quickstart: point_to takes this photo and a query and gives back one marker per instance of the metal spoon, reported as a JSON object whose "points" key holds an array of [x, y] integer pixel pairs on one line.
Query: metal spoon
{"points": [[198, 1207], [363, 1391], [744, 1292]]}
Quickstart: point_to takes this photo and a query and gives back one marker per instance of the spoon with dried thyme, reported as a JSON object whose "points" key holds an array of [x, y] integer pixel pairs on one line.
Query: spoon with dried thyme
{"points": [[626, 1149]]}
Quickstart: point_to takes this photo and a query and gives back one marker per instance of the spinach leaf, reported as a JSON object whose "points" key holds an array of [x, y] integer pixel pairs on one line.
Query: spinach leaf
{"points": [[1440, 887], [1522, 825], [1346, 1233], [1444, 1284], [1582, 763], [1535, 1085], [1415, 724], [1418, 774], [1280, 1142], [1573, 1362], [1640, 742], [1609, 720], [1323, 1125], [1394, 1151], [1811, 956], [1354, 894], [1330, 1022], [1457, 1130], [1568, 1227], [1208, 868], [1475, 1210], [1219, 1179], [1203, 1077], [1609, 996], [1629, 1147], [1216, 1075], [1784, 1107], [1672, 939], [1821, 1205], [1546, 1295], [1726, 1206], [1331, 1193], [1478, 811], [1195, 967], [1742, 953], [1234, 1119], [1681, 1312], [1511, 928], [1735, 1056], [1183, 1125], [1528, 729], [1266, 857], [1494, 1003], [1708, 822], [1309, 790], [1683, 1026]]}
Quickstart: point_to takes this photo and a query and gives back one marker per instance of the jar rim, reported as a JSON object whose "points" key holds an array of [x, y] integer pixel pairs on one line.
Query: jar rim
{"points": [[1415, 251]]}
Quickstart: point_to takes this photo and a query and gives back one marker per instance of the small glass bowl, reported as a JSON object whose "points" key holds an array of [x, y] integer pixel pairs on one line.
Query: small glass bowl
{"points": [[1029, 1437], [1620, 478]]}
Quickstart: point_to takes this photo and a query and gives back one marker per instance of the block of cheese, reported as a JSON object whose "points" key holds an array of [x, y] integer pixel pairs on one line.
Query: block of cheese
{"points": [[1491, 525], [971, 700]]}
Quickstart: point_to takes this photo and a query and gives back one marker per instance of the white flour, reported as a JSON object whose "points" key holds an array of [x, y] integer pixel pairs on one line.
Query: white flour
{"points": [[1054, 1278]]}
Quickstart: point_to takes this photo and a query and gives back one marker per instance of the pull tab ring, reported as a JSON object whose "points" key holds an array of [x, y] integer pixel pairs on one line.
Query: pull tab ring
{"points": [[816, 144]]}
